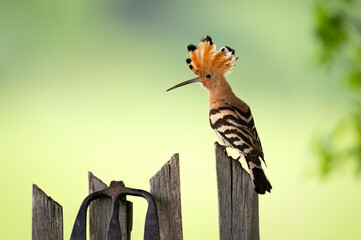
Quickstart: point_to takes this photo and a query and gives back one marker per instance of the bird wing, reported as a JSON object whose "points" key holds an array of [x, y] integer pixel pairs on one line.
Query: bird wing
{"points": [[237, 128]]}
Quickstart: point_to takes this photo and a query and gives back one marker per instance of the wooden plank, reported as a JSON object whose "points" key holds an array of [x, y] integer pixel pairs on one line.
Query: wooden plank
{"points": [[165, 188], [47, 217], [100, 211], [244, 204], [237, 200], [224, 186]]}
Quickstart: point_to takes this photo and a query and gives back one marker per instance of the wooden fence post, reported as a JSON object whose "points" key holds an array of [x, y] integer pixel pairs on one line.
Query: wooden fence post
{"points": [[237, 200], [100, 209], [237, 203], [47, 217], [165, 188]]}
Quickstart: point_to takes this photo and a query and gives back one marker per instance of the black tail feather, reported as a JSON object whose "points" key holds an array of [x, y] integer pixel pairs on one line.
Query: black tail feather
{"points": [[261, 183]]}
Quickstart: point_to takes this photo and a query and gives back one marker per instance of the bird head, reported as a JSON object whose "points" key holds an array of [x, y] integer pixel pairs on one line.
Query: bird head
{"points": [[209, 66]]}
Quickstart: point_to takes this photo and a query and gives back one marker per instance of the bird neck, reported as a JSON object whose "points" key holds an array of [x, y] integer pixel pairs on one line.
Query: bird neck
{"points": [[221, 90]]}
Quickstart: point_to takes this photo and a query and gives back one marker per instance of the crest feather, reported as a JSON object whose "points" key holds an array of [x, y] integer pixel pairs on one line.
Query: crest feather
{"points": [[193, 63], [205, 58]]}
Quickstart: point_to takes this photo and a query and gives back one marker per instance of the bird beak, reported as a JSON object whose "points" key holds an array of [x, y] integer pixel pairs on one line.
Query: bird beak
{"points": [[185, 83]]}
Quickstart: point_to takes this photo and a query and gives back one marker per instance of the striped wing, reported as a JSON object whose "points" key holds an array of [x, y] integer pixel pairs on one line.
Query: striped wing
{"points": [[236, 129]]}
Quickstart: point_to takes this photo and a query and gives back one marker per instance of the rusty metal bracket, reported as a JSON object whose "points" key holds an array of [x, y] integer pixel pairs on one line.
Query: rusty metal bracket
{"points": [[117, 191]]}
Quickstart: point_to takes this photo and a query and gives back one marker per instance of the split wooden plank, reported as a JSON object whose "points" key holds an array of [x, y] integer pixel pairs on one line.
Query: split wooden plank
{"points": [[165, 188], [237, 200], [47, 217]]}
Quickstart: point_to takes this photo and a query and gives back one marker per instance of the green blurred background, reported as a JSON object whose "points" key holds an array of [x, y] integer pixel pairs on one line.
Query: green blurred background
{"points": [[82, 88]]}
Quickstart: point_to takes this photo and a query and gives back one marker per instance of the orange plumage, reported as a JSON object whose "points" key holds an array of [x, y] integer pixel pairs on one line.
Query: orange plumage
{"points": [[205, 59]]}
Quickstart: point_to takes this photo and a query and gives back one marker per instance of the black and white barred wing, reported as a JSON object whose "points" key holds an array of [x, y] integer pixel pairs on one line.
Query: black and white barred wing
{"points": [[236, 129]]}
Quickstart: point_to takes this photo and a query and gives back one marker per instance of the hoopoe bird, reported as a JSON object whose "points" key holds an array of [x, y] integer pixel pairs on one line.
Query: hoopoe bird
{"points": [[229, 116]]}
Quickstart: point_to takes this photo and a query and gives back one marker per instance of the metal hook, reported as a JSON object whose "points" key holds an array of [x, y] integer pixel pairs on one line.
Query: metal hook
{"points": [[117, 191]]}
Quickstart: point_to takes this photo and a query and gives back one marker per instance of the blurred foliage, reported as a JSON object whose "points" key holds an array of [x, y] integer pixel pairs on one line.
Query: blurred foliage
{"points": [[338, 32], [342, 145]]}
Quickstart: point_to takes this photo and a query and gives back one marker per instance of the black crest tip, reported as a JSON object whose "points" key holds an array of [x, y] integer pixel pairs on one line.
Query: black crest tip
{"points": [[230, 49], [207, 39], [188, 60], [191, 47]]}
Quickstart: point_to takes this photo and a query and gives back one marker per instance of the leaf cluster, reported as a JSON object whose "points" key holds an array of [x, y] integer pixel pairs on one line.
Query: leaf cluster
{"points": [[338, 31]]}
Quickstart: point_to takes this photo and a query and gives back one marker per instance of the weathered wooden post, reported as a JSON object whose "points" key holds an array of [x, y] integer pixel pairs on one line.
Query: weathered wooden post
{"points": [[165, 188], [47, 217], [237, 200]]}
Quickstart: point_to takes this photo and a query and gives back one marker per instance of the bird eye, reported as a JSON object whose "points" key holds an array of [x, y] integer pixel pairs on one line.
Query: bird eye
{"points": [[208, 76]]}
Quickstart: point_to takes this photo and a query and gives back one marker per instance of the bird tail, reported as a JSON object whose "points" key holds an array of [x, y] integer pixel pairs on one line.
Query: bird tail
{"points": [[259, 179]]}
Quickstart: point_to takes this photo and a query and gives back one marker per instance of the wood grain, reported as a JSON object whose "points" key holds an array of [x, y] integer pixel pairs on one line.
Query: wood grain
{"points": [[165, 188], [47, 217], [237, 200]]}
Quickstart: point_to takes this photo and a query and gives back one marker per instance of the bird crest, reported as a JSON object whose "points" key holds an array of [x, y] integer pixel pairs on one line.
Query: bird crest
{"points": [[205, 59]]}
